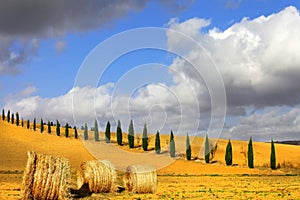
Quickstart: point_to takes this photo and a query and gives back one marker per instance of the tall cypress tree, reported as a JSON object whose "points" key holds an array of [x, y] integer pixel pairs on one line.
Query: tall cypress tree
{"points": [[273, 156], [3, 115], [12, 118], [131, 135], [250, 154], [34, 124], [119, 133], [157, 143], [145, 138], [49, 127], [86, 133], [107, 132], [75, 133], [28, 124], [67, 130], [96, 132], [8, 116], [17, 119], [207, 149], [172, 145], [22, 122], [57, 128], [228, 155], [42, 126], [188, 149]]}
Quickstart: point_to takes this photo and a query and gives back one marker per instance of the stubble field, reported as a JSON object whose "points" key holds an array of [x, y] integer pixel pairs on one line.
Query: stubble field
{"points": [[180, 179]]}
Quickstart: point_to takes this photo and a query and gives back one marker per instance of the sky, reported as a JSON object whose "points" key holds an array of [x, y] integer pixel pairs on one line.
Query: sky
{"points": [[229, 68]]}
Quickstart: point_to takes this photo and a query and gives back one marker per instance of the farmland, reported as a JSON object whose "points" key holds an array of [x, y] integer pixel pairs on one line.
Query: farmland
{"points": [[180, 179]]}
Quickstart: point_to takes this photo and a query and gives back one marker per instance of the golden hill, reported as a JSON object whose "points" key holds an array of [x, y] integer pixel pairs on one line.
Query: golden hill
{"points": [[16, 141]]}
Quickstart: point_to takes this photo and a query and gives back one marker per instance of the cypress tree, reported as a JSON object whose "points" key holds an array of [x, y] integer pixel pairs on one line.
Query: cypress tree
{"points": [[96, 132], [8, 116], [273, 156], [34, 124], [75, 133], [107, 132], [157, 143], [131, 135], [172, 145], [22, 122], [67, 130], [57, 128], [3, 115], [12, 118], [188, 149], [228, 155], [17, 119], [86, 134], [250, 154], [145, 138], [28, 124], [42, 126], [207, 149], [49, 127], [119, 133]]}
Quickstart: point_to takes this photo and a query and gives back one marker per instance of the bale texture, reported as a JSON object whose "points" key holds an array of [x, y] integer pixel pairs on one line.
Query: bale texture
{"points": [[140, 179], [45, 177], [100, 175]]}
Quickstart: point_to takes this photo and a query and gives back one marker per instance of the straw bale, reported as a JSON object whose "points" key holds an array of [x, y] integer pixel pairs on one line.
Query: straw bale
{"points": [[45, 177], [140, 179], [100, 175]]}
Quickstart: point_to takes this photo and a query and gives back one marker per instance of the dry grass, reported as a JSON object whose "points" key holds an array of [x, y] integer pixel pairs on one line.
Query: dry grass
{"points": [[17, 140], [45, 177], [140, 179], [197, 180], [99, 175]]}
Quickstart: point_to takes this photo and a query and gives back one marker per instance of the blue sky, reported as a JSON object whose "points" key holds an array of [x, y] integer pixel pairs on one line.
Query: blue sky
{"points": [[48, 57]]}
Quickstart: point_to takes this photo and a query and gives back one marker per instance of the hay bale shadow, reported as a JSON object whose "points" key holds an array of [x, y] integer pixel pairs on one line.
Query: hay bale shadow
{"points": [[84, 191]]}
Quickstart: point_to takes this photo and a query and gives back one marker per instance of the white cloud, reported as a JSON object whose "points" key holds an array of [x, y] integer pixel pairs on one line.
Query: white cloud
{"points": [[279, 123], [258, 59]]}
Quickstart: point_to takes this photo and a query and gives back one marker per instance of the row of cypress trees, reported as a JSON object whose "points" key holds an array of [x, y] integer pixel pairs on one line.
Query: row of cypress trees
{"points": [[228, 154], [145, 142], [10, 118]]}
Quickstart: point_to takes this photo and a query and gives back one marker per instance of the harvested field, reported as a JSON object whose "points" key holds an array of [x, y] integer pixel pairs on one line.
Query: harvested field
{"points": [[178, 179]]}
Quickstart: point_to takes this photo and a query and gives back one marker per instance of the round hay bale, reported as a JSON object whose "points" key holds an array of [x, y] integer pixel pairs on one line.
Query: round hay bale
{"points": [[140, 179], [45, 177], [100, 175]]}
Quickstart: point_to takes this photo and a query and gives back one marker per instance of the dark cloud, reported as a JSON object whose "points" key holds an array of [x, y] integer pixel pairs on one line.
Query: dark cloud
{"points": [[24, 23], [33, 19], [44, 18]]}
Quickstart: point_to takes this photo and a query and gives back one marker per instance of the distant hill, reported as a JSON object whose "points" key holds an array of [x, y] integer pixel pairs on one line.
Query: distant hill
{"points": [[291, 142]]}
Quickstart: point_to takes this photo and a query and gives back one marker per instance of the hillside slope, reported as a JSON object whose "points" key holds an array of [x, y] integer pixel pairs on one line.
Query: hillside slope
{"points": [[16, 141]]}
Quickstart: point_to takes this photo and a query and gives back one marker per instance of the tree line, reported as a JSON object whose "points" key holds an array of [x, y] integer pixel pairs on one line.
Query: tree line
{"points": [[209, 149]]}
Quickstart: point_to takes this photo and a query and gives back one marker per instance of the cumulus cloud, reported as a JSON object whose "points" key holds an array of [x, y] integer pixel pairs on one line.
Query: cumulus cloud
{"points": [[279, 123], [61, 107], [258, 59]]}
